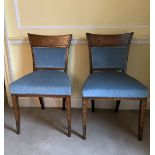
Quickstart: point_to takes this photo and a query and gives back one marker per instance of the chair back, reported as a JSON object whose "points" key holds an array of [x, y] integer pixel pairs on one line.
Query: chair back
{"points": [[108, 52], [50, 52]]}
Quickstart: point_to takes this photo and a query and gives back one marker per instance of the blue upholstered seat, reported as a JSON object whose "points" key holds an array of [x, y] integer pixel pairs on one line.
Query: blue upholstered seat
{"points": [[49, 82], [113, 85]]}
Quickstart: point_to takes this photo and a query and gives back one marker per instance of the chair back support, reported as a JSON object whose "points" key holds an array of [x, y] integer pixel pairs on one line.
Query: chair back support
{"points": [[108, 51], [50, 52]]}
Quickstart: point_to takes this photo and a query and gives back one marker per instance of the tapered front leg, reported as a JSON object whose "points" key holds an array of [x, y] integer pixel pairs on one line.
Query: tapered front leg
{"points": [[117, 105], [42, 103], [92, 105], [84, 116], [142, 110], [16, 112], [63, 104], [68, 109]]}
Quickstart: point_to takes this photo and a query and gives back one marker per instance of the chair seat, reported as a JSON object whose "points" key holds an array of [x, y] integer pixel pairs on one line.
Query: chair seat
{"points": [[49, 82], [113, 85]]}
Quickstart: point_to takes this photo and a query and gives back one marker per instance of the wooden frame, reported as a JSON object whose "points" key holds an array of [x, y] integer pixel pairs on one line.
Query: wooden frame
{"points": [[98, 40], [60, 41]]}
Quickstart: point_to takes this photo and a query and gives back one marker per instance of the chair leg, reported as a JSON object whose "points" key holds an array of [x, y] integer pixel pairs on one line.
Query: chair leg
{"points": [[84, 116], [63, 104], [93, 105], [68, 108], [42, 103], [142, 109], [117, 105], [16, 112]]}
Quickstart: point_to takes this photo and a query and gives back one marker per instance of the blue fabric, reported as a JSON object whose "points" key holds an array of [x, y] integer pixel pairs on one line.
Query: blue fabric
{"points": [[49, 57], [109, 57], [113, 85], [50, 82]]}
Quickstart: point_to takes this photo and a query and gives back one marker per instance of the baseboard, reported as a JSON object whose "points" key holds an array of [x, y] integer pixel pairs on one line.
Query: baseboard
{"points": [[77, 103]]}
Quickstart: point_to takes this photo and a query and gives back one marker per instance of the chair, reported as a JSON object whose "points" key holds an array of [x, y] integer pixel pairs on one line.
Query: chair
{"points": [[108, 79], [49, 77]]}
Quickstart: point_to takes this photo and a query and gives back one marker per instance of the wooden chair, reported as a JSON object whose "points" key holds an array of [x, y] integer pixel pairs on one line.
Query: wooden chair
{"points": [[49, 77], [108, 79]]}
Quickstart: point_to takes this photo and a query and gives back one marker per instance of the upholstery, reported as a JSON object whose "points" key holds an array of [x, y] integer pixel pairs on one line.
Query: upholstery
{"points": [[49, 82], [109, 57], [49, 57], [113, 85]]}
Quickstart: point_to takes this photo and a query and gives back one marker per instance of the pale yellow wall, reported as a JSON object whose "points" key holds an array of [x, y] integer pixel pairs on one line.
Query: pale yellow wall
{"points": [[81, 12], [132, 14]]}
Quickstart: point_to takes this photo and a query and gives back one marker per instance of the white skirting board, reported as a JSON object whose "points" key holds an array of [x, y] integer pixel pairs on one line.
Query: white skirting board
{"points": [[77, 103]]}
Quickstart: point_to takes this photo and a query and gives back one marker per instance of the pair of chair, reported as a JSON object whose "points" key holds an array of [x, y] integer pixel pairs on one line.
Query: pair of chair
{"points": [[107, 80]]}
